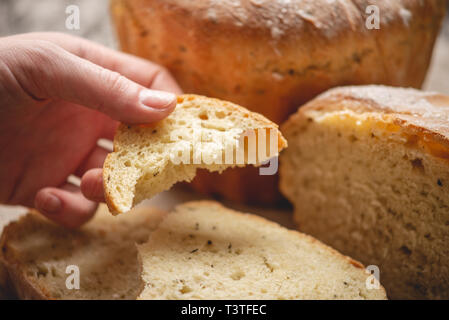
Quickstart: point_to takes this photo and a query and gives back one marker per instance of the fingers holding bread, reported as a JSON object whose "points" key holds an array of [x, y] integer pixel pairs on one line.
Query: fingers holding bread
{"points": [[201, 133], [367, 171]]}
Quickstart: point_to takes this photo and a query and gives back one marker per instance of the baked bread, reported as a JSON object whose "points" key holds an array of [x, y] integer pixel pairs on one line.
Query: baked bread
{"points": [[272, 56], [36, 254], [7, 215], [201, 133], [368, 173], [205, 251], [4, 290]]}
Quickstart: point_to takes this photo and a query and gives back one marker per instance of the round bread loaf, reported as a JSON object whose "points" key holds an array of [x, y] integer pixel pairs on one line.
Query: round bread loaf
{"points": [[272, 56]]}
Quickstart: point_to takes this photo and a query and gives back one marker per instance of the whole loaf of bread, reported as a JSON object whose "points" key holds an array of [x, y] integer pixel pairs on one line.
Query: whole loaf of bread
{"points": [[272, 56]]}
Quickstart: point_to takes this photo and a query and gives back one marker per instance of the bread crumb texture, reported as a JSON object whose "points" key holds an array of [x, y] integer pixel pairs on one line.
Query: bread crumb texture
{"points": [[200, 133], [7, 215], [368, 173], [37, 252], [205, 251]]}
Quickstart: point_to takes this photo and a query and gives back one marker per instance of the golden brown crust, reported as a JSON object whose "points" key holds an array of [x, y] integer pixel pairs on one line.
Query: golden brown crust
{"points": [[273, 56], [23, 287], [422, 114], [322, 44], [113, 208]]}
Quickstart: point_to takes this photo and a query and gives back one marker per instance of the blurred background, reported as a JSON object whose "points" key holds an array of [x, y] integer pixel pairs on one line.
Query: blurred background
{"points": [[20, 16]]}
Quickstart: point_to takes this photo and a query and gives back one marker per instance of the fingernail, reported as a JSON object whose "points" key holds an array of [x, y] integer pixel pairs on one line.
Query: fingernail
{"points": [[156, 99], [51, 204]]}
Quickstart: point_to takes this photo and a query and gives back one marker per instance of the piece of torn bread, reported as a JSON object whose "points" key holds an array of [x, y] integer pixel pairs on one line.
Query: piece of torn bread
{"points": [[36, 253], [200, 133], [203, 250]]}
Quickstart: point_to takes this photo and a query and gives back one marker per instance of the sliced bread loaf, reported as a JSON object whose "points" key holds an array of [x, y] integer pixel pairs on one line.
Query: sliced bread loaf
{"points": [[37, 252], [205, 251], [7, 215], [201, 133], [368, 173], [4, 292]]}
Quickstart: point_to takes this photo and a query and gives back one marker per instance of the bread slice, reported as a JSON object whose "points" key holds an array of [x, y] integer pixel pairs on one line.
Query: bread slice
{"points": [[205, 251], [368, 173], [7, 215], [3, 282], [200, 133], [37, 252], [5, 290]]}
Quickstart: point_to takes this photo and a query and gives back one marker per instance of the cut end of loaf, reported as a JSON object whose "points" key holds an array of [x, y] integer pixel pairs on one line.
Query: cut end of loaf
{"points": [[201, 133], [367, 172]]}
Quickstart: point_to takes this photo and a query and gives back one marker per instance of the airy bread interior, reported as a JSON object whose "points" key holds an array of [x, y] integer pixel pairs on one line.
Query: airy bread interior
{"points": [[197, 134], [374, 190], [205, 251]]}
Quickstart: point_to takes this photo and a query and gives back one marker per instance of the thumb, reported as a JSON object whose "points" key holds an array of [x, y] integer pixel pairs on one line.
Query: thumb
{"points": [[51, 72]]}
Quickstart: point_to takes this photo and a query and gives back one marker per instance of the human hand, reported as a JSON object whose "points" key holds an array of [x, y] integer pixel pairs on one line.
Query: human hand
{"points": [[59, 94]]}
